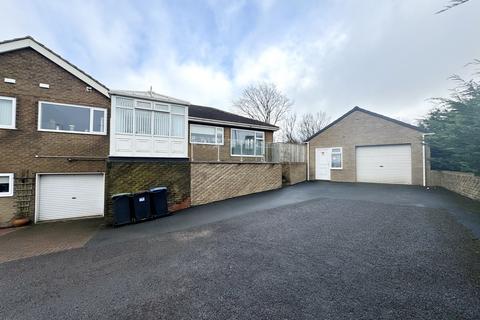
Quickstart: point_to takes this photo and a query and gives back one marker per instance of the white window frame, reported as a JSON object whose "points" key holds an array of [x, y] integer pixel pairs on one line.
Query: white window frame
{"points": [[11, 184], [92, 109], [217, 129], [341, 158], [14, 112], [254, 148], [168, 110]]}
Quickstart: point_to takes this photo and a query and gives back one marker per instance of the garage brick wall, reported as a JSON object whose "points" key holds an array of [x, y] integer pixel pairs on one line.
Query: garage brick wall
{"points": [[218, 181], [293, 173], [466, 184], [130, 176], [20, 147], [362, 129]]}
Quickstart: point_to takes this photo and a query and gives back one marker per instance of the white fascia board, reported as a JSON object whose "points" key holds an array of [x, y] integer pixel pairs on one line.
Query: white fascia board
{"points": [[29, 43], [232, 124]]}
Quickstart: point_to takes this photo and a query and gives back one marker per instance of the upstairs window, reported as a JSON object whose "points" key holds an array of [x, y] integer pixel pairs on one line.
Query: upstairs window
{"points": [[71, 118], [247, 143], [147, 118], [200, 134], [6, 184], [7, 113]]}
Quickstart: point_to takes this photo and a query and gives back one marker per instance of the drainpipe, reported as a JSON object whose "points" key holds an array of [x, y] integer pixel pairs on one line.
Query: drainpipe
{"points": [[308, 161], [424, 157]]}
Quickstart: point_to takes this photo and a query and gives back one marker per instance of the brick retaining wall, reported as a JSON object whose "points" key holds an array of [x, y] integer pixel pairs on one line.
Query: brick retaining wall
{"points": [[138, 175], [466, 184], [293, 173], [218, 181]]}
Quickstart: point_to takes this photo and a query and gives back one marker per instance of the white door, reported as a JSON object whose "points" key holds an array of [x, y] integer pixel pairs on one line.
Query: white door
{"points": [[323, 161], [67, 196], [384, 164]]}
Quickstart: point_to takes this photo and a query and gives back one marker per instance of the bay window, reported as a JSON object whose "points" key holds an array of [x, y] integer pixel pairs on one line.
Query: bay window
{"points": [[247, 143], [7, 113], [71, 118], [201, 134], [145, 118]]}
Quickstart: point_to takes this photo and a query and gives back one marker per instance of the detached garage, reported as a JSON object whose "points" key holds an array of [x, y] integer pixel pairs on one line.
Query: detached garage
{"points": [[69, 196], [363, 146]]}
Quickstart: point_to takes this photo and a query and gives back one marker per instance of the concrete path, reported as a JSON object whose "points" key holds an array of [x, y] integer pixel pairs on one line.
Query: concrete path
{"points": [[46, 238]]}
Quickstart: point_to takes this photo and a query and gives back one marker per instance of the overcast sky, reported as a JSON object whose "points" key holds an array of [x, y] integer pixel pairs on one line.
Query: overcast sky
{"points": [[387, 56]]}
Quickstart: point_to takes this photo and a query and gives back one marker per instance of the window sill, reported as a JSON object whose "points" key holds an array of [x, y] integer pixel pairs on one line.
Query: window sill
{"points": [[73, 132]]}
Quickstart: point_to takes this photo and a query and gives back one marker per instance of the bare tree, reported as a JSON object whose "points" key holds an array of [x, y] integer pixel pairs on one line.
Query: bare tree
{"points": [[452, 4], [263, 102], [311, 123], [289, 129]]}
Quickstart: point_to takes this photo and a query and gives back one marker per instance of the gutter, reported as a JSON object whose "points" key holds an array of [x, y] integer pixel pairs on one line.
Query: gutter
{"points": [[424, 157], [308, 160]]}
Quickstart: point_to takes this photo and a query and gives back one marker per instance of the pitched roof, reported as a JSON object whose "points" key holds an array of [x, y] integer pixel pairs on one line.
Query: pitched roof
{"points": [[148, 95], [401, 123], [213, 115], [29, 42]]}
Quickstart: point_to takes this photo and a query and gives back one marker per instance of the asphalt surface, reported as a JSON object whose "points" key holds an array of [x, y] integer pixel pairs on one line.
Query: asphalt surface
{"points": [[313, 251]]}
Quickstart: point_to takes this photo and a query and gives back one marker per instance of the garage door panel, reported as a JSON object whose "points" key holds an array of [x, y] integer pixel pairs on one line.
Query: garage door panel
{"points": [[70, 196], [384, 164]]}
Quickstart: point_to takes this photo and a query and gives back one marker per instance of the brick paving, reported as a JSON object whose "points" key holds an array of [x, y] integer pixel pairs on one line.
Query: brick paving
{"points": [[46, 238]]}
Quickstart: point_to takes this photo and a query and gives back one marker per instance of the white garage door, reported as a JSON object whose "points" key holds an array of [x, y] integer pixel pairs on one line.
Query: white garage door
{"points": [[66, 196], [385, 164]]}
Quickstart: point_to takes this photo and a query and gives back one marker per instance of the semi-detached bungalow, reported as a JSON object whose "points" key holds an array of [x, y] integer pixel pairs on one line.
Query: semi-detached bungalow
{"points": [[68, 143]]}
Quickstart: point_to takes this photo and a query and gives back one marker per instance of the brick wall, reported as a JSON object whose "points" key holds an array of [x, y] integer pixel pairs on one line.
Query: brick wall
{"points": [[130, 176], [466, 184], [361, 129], [293, 173], [218, 181], [26, 151]]}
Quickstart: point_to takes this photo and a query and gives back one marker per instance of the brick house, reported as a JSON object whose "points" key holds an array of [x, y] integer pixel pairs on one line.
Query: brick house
{"points": [[153, 138], [53, 133], [69, 143], [363, 146]]}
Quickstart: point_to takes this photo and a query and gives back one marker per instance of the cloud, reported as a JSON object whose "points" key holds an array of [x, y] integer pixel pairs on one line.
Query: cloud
{"points": [[388, 56]]}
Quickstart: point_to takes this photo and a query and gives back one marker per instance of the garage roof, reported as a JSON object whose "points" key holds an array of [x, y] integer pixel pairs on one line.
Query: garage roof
{"points": [[401, 123]]}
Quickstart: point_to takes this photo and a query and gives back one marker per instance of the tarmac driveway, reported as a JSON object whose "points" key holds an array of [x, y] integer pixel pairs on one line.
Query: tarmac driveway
{"points": [[312, 251]]}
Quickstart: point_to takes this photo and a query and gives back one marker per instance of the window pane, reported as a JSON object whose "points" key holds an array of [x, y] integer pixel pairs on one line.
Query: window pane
{"points": [[124, 121], [143, 121], [178, 126], [98, 121], [179, 110], [336, 160], [243, 142], [219, 135], [4, 184], [336, 150], [202, 134], [66, 118], [143, 104], [161, 107], [259, 147], [160, 123], [6, 109], [124, 102]]}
